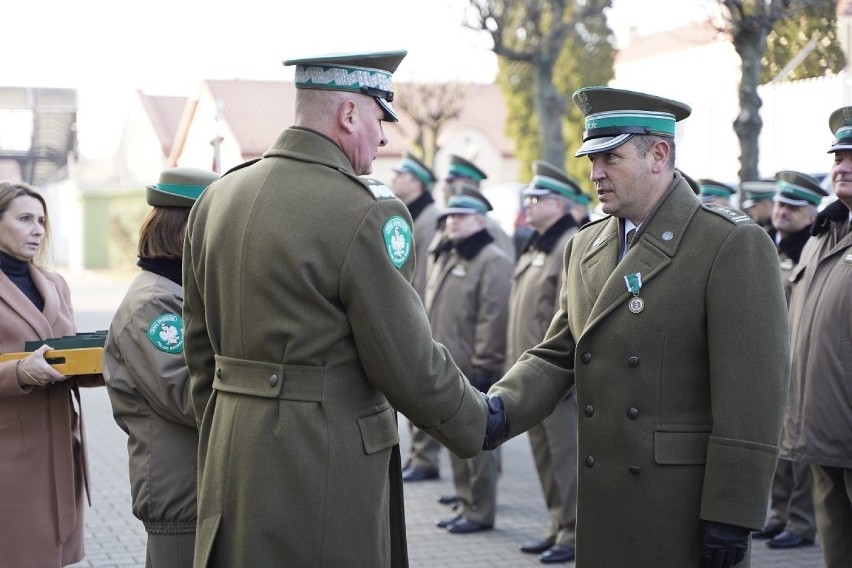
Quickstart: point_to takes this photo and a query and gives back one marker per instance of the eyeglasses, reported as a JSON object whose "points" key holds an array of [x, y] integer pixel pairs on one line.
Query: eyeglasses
{"points": [[533, 199]]}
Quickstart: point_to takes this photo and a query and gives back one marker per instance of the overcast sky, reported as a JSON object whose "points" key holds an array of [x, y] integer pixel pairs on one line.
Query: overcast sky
{"points": [[107, 48]]}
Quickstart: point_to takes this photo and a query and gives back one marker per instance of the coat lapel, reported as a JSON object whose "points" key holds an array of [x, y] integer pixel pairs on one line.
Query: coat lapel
{"points": [[18, 302], [653, 248]]}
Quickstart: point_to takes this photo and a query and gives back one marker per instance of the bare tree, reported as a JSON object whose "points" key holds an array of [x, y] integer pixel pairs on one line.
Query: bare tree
{"points": [[535, 31], [430, 107], [749, 23]]}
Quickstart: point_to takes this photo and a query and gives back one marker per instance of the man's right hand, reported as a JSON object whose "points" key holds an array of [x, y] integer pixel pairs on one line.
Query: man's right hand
{"points": [[497, 428]]}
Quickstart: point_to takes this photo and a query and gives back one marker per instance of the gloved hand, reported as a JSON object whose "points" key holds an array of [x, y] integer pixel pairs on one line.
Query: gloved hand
{"points": [[497, 428], [35, 371], [482, 381], [722, 545]]}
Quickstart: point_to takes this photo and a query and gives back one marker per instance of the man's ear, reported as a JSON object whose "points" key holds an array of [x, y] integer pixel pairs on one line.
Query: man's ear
{"points": [[348, 116], [660, 155]]}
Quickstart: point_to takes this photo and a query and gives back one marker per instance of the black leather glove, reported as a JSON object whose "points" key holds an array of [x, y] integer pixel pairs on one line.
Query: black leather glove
{"points": [[482, 381], [722, 545], [497, 428]]}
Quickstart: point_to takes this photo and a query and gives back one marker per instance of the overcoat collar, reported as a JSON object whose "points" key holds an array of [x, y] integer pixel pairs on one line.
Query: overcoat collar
{"points": [[40, 321], [310, 146], [547, 240], [654, 245], [417, 206]]}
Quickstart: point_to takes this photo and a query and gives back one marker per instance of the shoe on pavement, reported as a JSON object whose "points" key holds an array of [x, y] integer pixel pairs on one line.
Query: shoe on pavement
{"points": [[417, 474], [444, 523], [537, 546], [449, 499], [769, 531], [557, 554], [787, 539], [465, 526]]}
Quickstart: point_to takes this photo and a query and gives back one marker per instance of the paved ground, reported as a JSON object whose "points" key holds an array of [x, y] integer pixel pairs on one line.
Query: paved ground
{"points": [[115, 539]]}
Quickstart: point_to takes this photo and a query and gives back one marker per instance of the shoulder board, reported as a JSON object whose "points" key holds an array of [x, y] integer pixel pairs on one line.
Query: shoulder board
{"points": [[734, 216], [376, 188], [241, 166], [595, 222]]}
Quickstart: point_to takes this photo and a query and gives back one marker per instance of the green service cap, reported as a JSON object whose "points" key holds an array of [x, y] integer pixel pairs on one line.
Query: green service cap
{"points": [[798, 189], [179, 187], [547, 178], [365, 73], [710, 189], [462, 168], [465, 198], [410, 164], [613, 116], [755, 191], [840, 123]]}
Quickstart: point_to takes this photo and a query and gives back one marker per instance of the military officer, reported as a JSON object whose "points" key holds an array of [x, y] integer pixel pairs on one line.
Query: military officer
{"points": [[679, 409], [818, 423], [712, 191], [304, 337], [537, 279], [757, 201], [466, 298]]}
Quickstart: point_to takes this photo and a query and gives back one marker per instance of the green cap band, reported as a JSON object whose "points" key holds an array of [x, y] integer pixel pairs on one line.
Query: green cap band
{"points": [[466, 202], [798, 192], [190, 191], [417, 171], [464, 171], [612, 123], [554, 185]]}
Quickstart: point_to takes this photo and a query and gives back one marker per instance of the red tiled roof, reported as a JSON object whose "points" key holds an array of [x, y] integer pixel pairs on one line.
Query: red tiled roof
{"points": [[165, 114], [695, 34]]}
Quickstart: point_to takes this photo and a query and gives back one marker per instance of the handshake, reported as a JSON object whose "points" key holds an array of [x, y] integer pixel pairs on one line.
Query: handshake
{"points": [[497, 428]]}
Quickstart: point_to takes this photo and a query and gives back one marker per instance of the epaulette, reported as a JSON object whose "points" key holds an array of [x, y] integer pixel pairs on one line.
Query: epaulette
{"points": [[593, 223], [734, 216], [241, 166], [376, 188]]}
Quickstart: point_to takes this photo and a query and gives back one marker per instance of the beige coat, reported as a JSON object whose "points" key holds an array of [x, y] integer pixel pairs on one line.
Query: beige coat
{"points": [[43, 465], [680, 405], [303, 339]]}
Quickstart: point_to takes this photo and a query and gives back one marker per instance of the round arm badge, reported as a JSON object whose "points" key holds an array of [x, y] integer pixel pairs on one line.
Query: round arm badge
{"points": [[166, 333], [398, 240]]}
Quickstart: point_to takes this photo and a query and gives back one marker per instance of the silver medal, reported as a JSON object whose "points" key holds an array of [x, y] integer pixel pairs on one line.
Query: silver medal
{"points": [[636, 304]]}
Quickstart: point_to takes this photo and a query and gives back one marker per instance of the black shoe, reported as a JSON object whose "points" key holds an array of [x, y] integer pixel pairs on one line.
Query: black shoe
{"points": [[417, 474], [465, 526], [449, 500], [557, 554], [769, 531], [444, 523], [786, 539], [538, 546]]}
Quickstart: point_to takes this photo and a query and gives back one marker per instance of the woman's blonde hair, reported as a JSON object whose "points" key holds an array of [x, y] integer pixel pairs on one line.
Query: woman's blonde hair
{"points": [[9, 191]]}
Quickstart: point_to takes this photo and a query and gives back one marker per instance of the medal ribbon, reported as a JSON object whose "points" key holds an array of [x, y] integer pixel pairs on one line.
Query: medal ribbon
{"points": [[634, 283]]}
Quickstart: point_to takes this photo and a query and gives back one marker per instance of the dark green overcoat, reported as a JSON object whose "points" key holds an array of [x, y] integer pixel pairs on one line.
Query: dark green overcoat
{"points": [[680, 404], [303, 336]]}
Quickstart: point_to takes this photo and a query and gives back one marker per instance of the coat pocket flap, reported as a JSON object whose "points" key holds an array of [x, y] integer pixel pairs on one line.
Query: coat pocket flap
{"points": [[379, 429]]}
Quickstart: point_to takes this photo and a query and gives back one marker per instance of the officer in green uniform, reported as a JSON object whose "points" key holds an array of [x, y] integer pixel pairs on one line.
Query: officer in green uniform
{"points": [[676, 342], [757, 200], [304, 336]]}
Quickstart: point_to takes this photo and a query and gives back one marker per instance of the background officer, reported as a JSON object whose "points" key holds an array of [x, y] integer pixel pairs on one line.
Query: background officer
{"points": [[304, 336], [677, 348], [537, 279], [712, 191], [757, 201], [466, 299]]}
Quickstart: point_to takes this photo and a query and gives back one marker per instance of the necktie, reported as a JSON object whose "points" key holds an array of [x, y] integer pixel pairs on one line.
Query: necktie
{"points": [[630, 234]]}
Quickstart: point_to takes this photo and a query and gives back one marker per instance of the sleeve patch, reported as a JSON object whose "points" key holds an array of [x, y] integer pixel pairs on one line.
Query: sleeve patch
{"points": [[166, 333], [398, 240]]}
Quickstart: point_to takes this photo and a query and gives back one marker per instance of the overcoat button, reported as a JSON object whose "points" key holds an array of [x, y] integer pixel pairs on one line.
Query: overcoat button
{"points": [[633, 361], [633, 469], [590, 461], [633, 413], [218, 373], [273, 380], [590, 410], [586, 357]]}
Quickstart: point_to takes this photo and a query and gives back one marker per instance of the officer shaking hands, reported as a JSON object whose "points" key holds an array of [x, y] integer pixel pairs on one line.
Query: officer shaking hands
{"points": [[674, 338]]}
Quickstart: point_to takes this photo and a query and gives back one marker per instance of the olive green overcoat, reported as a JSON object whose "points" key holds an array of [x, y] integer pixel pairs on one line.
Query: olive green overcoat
{"points": [[302, 339], [680, 404]]}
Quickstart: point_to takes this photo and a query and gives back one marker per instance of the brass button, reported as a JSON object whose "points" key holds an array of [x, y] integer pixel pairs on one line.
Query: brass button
{"points": [[633, 469], [633, 413], [633, 361], [273, 380], [586, 357], [590, 461], [218, 373], [590, 410]]}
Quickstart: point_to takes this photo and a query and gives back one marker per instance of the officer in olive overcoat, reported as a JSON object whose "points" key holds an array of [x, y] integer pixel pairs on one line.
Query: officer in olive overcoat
{"points": [[678, 350], [304, 335]]}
